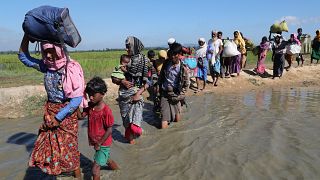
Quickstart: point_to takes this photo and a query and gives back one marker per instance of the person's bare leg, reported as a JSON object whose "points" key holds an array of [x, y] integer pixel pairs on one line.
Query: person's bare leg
{"points": [[96, 171], [177, 117], [77, 173], [112, 164], [164, 124], [243, 61], [204, 84], [197, 81], [216, 80]]}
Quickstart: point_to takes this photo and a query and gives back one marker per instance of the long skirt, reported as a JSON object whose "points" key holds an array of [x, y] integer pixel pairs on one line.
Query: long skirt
{"points": [[131, 113], [315, 54], [235, 64], [56, 150], [261, 67], [278, 65]]}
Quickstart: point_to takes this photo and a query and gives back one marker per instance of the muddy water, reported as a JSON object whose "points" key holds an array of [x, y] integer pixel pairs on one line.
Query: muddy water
{"points": [[271, 134]]}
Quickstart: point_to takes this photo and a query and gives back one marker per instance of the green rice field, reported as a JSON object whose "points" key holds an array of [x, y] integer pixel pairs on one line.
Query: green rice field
{"points": [[14, 73]]}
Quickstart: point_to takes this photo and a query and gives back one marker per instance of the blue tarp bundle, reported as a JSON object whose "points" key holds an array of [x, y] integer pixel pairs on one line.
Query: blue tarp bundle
{"points": [[43, 24]]}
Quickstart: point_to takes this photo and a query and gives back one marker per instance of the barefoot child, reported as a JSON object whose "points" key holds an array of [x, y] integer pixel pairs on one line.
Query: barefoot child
{"points": [[100, 122]]}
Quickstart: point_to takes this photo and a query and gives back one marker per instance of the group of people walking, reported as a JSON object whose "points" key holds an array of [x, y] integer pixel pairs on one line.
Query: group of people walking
{"points": [[168, 77]]}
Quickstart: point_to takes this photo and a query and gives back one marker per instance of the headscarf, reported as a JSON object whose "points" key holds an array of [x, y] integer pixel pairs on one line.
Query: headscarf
{"points": [[318, 36], [135, 45], [73, 79], [162, 54], [202, 50], [240, 42], [296, 39], [264, 45]]}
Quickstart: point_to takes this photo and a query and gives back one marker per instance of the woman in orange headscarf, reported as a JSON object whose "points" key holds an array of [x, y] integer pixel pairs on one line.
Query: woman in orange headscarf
{"points": [[238, 39]]}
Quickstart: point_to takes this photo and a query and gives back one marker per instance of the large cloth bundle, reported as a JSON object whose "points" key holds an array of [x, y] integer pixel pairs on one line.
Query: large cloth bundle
{"points": [[279, 27], [293, 49], [45, 23], [230, 49]]}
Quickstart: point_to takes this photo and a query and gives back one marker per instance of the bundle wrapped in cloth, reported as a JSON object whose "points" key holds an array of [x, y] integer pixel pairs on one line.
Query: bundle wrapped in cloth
{"points": [[293, 49], [279, 27], [230, 49], [51, 24]]}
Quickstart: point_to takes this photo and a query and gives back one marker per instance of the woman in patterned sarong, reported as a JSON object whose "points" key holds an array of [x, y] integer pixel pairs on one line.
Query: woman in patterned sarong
{"points": [[131, 88], [56, 148]]}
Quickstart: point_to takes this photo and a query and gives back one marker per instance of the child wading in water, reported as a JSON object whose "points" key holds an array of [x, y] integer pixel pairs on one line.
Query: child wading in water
{"points": [[100, 122]]}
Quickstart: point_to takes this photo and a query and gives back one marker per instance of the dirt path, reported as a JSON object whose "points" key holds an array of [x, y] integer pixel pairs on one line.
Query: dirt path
{"points": [[25, 100]]}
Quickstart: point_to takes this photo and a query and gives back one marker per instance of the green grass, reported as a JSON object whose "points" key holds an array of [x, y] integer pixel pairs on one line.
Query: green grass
{"points": [[14, 73]]}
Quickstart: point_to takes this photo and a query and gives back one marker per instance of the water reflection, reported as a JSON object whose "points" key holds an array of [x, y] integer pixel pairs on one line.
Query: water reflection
{"points": [[270, 134]]}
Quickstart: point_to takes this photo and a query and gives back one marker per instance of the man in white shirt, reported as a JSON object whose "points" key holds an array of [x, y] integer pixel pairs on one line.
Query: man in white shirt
{"points": [[217, 45]]}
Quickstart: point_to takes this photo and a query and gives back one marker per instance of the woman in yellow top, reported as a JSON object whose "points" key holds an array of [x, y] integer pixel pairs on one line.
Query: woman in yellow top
{"points": [[241, 47]]}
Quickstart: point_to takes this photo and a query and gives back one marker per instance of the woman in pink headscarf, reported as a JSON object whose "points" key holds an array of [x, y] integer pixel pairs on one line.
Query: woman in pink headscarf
{"points": [[263, 49], [290, 57], [56, 148]]}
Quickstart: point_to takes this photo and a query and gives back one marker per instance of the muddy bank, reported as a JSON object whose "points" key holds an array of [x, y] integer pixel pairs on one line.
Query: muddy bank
{"points": [[25, 100]]}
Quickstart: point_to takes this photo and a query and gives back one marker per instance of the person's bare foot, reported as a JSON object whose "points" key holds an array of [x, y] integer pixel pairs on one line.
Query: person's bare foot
{"points": [[132, 141], [164, 125]]}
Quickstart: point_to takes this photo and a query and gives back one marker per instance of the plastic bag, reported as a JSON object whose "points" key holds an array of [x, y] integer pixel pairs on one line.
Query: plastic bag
{"points": [[284, 26], [279, 27], [293, 49], [230, 49]]}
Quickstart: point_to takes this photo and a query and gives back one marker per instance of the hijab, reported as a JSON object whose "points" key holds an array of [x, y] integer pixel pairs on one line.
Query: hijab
{"points": [[295, 38], [240, 42], [134, 44], [72, 79]]}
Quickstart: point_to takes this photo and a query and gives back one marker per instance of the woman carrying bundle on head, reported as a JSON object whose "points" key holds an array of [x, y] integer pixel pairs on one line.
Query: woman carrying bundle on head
{"points": [[56, 148]]}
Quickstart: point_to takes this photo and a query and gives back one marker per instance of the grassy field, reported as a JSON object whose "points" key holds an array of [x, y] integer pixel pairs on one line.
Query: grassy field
{"points": [[14, 73]]}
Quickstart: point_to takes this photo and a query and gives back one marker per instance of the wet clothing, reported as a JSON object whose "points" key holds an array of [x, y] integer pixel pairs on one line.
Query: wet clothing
{"points": [[56, 150], [138, 68], [131, 113], [168, 109], [174, 81]]}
